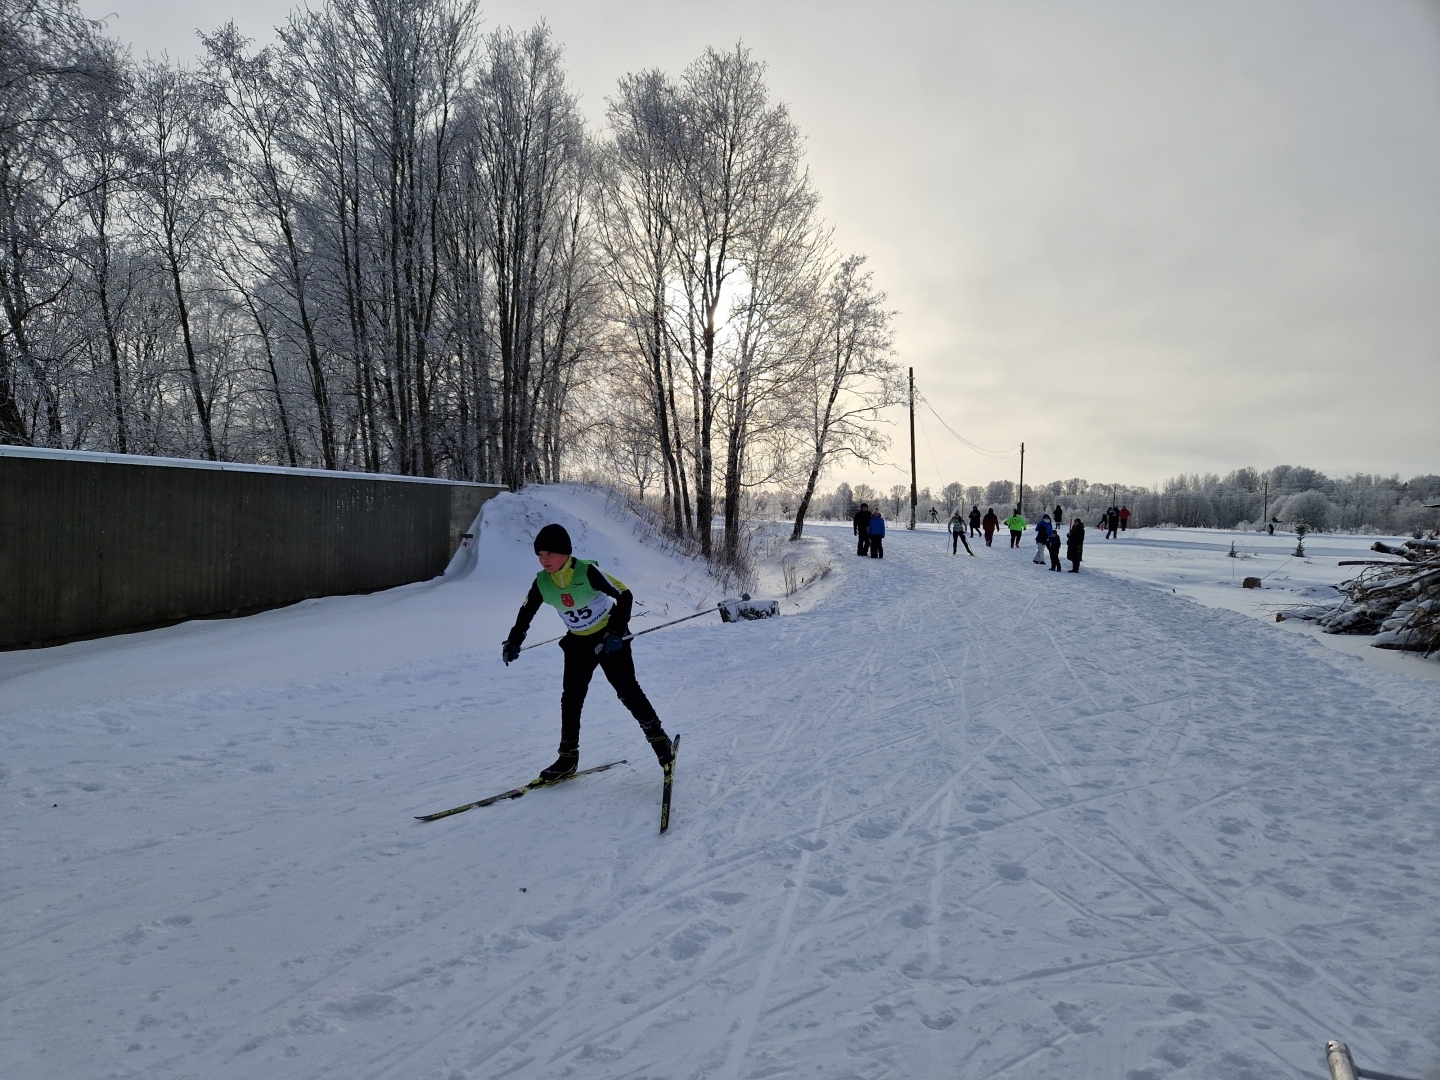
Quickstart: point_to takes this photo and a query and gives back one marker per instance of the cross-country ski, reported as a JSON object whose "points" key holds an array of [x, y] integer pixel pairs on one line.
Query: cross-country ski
{"points": [[515, 793], [668, 789]]}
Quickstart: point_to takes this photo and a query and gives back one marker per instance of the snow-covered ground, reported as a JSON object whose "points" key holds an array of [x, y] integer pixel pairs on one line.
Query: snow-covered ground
{"points": [[1197, 563], [957, 818]]}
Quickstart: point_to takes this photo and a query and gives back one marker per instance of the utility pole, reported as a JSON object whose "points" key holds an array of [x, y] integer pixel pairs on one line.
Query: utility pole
{"points": [[913, 498], [1020, 502], [1265, 516]]}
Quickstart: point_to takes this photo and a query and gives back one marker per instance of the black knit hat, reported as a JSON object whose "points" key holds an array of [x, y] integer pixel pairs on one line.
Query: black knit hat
{"points": [[553, 538]]}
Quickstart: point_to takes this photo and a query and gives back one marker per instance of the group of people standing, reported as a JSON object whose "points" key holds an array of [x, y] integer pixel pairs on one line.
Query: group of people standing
{"points": [[1047, 539], [869, 528], [1047, 534]]}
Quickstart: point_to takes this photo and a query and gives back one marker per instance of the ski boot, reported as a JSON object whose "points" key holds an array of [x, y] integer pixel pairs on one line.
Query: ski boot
{"points": [[664, 749], [564, 767]]}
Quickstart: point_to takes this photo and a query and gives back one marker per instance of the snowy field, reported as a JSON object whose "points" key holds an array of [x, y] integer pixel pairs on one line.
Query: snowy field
{"points": [[948, 817]]}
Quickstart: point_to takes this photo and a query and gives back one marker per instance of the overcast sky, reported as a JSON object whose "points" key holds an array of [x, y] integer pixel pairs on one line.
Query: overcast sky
{"points": [[1145, 237]]}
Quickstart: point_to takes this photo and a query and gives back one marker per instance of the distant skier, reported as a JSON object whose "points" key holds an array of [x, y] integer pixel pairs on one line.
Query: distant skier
{"points": [[975, 521], [1016, 524], [991, 524], [957, 533], [862, 529], [934, 515], [1124, 518], [1075, 544], [595, 608], [877, 535]]}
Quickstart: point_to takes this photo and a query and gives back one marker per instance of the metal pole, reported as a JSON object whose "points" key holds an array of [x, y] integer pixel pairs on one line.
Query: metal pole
{"points": [[913, 498], [1020, 502], [1265, 515]]}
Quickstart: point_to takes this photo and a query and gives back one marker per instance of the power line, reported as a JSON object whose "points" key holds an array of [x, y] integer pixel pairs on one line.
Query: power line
{"points": [[929, 446], [978, 449]]}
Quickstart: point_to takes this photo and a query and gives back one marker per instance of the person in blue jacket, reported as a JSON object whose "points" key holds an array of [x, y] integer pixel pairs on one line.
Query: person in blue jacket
{"points": [[877, 535], [1043, 529]]}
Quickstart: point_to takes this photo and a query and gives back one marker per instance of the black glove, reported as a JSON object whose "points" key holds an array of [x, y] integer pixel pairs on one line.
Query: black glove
{"points": [[613, 643], [510, 651]]}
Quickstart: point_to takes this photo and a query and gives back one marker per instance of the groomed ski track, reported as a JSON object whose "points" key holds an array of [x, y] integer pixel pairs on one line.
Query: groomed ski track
{"points": [[964, 818]]}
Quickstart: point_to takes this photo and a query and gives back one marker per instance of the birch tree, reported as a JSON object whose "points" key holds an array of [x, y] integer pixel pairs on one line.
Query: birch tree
{"points": [[849, 376]]}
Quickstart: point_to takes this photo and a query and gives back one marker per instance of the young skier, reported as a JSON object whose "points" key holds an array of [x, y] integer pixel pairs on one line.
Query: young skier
{"points": [[957, 532], [595, 608]]}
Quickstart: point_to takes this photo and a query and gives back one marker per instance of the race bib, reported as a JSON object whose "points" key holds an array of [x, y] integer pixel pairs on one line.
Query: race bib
{"points": [[583, 618]]}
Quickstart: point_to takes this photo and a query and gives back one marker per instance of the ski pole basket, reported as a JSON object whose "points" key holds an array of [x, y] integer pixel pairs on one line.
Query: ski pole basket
{"points": [[1343, 1067]]}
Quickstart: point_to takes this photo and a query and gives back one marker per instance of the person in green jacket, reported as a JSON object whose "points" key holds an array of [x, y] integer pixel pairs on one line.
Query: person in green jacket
{"points": [[595, 608], [1016, 524]]}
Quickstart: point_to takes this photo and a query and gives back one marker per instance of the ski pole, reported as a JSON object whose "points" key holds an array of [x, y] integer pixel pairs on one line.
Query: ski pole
{"points": [[662, 626], [536, 645], [627, 637]]}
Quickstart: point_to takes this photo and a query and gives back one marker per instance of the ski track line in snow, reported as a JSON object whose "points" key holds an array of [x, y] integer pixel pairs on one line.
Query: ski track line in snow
{"points": [[748, 1007]]}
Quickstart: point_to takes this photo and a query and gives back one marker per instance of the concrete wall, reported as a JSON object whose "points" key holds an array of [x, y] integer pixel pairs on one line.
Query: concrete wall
{"points": [[96, 543]]}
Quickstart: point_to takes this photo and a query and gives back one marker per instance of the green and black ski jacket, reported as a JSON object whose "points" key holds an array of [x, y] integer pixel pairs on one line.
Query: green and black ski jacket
{"points": [[589, 601]]}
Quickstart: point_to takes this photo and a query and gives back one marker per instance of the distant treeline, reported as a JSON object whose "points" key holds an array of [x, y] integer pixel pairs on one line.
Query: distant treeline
{"points": [[1296, 495]]}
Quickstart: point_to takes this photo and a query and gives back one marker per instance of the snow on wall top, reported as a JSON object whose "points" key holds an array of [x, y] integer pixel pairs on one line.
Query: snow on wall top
{"points": [[221, 466]]}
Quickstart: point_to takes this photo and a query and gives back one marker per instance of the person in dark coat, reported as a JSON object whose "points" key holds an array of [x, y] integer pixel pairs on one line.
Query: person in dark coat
{"points": [[862, 529], [1052, 544], [990, 524], [1075, 544], [1124, 518], [975, 520], [877, 535]]}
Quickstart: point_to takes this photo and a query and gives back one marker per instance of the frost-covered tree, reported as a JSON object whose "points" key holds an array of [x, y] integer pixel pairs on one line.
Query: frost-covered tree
{"points": [[1309, 508], [846, 376]]}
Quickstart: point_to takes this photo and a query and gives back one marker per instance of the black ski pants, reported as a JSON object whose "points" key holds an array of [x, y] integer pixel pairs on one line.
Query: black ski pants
{"points": [[1014, 538], [863, 548], [619, 668], [877, 547]]}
